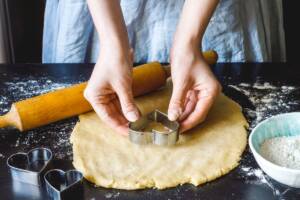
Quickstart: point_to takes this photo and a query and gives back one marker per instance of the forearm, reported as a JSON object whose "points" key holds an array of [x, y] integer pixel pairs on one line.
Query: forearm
{"points": [[108, 19], [109, 89], [193, 21]]}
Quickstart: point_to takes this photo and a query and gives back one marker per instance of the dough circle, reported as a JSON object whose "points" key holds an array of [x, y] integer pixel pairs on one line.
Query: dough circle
{"points": [[203, 154]]}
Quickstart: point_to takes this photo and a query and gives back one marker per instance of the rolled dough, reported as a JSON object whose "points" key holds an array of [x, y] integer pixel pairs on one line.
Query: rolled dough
{"points": [[205, 153]]}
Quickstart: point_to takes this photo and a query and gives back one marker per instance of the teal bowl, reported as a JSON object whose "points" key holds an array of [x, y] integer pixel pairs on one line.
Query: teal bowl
{"points": [[280, 125]]}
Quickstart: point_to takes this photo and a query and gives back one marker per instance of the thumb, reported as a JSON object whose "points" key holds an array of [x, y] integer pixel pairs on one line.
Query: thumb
{"points": [[177, 101], [128, 106]]}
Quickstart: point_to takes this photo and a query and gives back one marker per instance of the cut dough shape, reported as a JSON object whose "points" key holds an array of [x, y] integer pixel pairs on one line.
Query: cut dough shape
{"points": [[204, 153], [156, 126]]}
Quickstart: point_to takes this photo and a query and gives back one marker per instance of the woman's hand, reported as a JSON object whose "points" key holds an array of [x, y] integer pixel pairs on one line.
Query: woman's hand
{"points": [[109, 90], [194, 88]]}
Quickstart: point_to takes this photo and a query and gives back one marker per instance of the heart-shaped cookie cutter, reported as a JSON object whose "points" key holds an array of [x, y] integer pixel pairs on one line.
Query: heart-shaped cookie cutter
{"points": [[31, 166], [169, 137], [63, 185]]}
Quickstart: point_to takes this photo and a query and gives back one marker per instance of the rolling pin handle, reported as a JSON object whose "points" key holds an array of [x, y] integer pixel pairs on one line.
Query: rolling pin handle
{"points": [[11, 119], [167, 69], [3, 121]]}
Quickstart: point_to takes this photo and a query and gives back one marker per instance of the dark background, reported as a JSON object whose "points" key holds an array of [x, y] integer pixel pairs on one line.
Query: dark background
{"points": [[27, 28], [27, 18]]}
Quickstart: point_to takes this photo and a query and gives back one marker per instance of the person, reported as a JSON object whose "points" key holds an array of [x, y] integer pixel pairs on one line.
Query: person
{"points": [[147, 30]]}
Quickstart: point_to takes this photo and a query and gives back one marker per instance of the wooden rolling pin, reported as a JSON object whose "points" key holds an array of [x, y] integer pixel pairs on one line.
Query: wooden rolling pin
{"points": [[64, 103]]}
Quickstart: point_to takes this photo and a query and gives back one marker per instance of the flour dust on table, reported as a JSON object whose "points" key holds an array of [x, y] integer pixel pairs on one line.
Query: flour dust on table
{"points": [[268, 100], [55, 136]]}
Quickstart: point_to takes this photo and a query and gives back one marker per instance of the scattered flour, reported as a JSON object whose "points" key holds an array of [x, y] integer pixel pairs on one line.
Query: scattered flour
{"points": [[256, 176], [54, 136], [33, 87], [283, 151], [112, 195], [255, 172], [268, 100]]}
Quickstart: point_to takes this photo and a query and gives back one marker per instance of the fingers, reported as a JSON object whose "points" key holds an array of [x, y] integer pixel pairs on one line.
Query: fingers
{"points": [[190, 104], [198, 115], [177, 100], [107, 109], [204, 101], [128, 106], [110, 115]]}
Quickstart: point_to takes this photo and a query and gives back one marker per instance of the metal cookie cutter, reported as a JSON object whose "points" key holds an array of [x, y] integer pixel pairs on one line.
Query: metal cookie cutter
{"points": [[63, 185], [30, 167], [139, 136]]}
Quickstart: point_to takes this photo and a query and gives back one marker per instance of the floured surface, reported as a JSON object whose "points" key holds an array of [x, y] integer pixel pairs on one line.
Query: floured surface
{"points": [[205, 153]]}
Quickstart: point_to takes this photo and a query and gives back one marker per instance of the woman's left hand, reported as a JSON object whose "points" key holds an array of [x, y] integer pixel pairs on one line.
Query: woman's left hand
{"points": [[195, 88]]}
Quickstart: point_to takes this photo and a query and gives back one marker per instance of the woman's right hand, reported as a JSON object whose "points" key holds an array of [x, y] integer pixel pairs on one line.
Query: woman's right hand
{"points": [[109, 90]]}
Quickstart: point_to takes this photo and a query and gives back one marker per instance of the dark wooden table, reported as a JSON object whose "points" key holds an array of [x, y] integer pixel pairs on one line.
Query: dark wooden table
{"points": [[24, 80]]}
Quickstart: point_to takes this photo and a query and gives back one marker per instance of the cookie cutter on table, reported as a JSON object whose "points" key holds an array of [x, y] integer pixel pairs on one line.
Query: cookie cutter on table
{"points": [[165, 138], [63, 185], [31, 166]]}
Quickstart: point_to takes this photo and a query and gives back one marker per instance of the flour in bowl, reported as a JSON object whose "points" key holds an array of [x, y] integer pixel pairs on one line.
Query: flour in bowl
{"points": [[283, 151]]}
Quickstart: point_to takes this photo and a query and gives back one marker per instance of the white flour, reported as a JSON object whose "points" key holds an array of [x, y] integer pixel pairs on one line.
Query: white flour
{"points": [[283, 151], [268, 100], [54, 136], [112, 195], [257, 177]]}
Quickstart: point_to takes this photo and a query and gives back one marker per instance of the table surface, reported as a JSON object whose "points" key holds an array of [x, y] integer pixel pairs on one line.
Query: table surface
{"points": [[21, 81]]}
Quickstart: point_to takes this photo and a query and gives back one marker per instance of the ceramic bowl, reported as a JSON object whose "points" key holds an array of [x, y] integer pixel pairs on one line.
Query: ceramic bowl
{"points": [[280, 125]]}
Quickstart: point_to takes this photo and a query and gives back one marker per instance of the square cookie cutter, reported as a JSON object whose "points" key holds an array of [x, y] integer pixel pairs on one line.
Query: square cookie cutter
{"points": [[137, 134]]}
